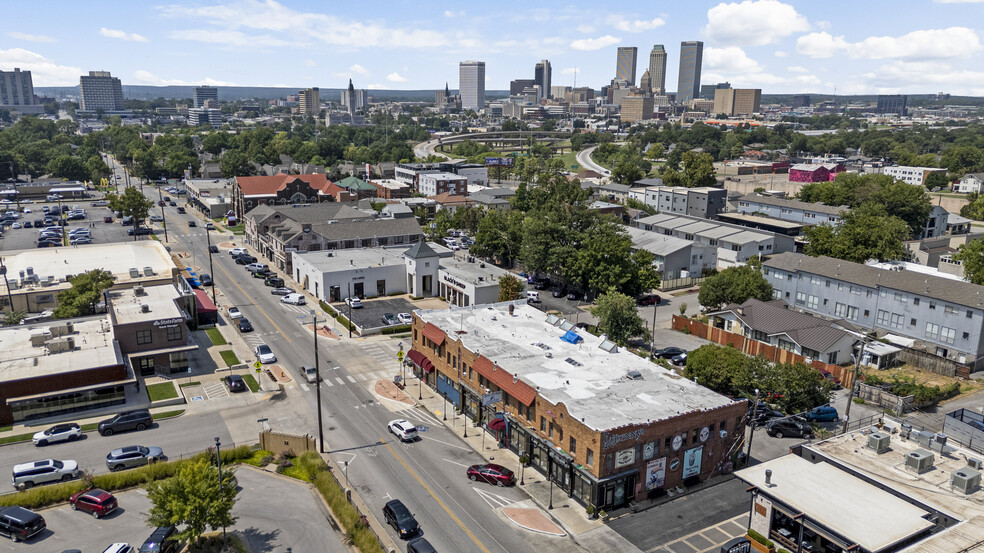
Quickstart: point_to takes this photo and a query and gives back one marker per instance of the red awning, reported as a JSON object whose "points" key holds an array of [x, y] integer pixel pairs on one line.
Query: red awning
{"points": [[518, 389], [434, 334], [497, 424], [427, 365], [420, 360], [204, 303]]}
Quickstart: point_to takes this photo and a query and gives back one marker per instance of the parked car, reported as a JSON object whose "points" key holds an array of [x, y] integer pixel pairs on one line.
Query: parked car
{"points": [[669, 352], [390, 319], [107, 219], [235, 383], [354, 302], [403, 429], [43, 472], [679, 360], [830, 376], [405, 318], [763, 417], [205, 279], [281, 291], [139, 231], [133, 456], [160, 541], [264, 354], [310, 373], [213, 248], [80, 241], [192, 224], [255, 267], [20, 524], [274, 281], [156, 218], [180, 209], [779, 428], [66, 432], [559, 293], [209, 226], [398, 516], [649, 299], [491, 473], [137, 419], [824, 413], [118, 548], [420, 545], [237, 251], [293, 299], [96, 502], [245, 325], [263, 273], [573, 296]]}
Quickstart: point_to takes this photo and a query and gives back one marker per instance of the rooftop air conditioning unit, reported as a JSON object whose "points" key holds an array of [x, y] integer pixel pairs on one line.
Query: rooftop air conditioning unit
{"points": [[138, 290], [144, 308], [879, 442], [966, 480], [922, 437], [974, 463], [634, 375], [919, 461]]}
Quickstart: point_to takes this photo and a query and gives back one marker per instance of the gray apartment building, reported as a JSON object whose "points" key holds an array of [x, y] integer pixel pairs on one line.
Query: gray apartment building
{"points": [[702, 201], [735, 244], [100, 91], [202, 94], [790, 210], [940, 316], [17, 92]]}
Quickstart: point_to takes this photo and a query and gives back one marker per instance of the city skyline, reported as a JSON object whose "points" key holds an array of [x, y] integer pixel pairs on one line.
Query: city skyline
{"points": [[781, 47]]}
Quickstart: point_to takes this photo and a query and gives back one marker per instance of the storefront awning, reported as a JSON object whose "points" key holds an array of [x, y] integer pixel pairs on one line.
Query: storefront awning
{"points": [[420, 360], [497, 424], [518, 389], [434, 334]]}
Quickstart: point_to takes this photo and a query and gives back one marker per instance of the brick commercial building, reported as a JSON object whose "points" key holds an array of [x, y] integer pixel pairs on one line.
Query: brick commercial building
{"points": [[151, 325], [249, 192], [607, 426], [814, 172]]}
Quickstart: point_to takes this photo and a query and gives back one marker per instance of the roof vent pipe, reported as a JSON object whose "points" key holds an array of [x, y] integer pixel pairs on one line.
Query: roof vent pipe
{"points": [[768, 477]]}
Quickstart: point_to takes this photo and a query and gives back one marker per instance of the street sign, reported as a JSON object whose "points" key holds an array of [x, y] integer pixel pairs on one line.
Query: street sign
{"points": [[399, 355], [491, 397], [258, 365], [262, 420]]}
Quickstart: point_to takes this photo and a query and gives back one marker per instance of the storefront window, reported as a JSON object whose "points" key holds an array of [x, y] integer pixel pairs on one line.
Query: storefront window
{"points": [[178, 361], [146, 366], [69, 402], [144, 337]]}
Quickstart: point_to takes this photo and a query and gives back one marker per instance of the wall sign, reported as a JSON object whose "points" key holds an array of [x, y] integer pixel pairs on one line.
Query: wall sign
{"points": [[656, 473], [648, 450], [609, 441], [624, 457], [168, 323], [705, 433], [677, 442], [691, 461], [674, 464]]}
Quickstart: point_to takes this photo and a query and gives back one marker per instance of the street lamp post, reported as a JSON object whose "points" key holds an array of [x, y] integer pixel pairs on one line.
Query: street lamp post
{"points": [[751, 433], [522, 469], [652, 347], [420, 392], [550, 477], [160, 196], [346, 474], [211, 268], [6, 283], [218, 458], [317, 383], [854, 383]]}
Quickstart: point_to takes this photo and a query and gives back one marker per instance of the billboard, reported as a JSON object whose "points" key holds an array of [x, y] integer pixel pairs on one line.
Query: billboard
{"points": [[498, 162]]}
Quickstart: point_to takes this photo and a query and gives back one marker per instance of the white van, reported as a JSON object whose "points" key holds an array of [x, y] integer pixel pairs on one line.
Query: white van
{"points": [[293, 299], [532, 296]]}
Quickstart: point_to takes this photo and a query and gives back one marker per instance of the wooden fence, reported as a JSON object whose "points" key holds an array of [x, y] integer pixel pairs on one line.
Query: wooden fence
{"points": [[755, 348]]}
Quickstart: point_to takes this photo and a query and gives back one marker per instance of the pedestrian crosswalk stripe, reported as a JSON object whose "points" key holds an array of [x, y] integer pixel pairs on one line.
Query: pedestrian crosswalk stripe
{"points": [[352, 380], [327, 382], [340, 381], [362, 377]]}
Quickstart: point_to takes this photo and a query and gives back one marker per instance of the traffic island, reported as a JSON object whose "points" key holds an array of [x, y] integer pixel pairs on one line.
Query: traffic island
{"points": [[388, 390], [533, 520]]}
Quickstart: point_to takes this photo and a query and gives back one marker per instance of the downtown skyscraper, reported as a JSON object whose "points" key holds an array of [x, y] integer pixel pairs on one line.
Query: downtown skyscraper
{"points": [[471, 84], [688, 86], [541, 76], [625, 64], [657, 70]]}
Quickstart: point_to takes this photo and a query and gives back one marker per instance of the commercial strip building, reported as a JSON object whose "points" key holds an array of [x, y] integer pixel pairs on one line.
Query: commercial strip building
{"points": [[34, 277], [213, 197], [283, 189], [151, 325], [915, 176], [735, 244], [606, 426], [942, 318]]}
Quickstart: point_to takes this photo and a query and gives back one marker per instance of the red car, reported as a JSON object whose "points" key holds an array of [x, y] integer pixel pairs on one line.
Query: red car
{"points": [[650, 300], [96, 502], [492, 473]]}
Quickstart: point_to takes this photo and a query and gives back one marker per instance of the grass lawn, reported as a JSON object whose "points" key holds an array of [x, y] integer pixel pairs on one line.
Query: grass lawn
{"points": [[161, 391], [257, 459], [17, 438], [187, 384], [229, 357], [570, 159], [216, 337], [167, 414], [251, 383], [6, 428]]}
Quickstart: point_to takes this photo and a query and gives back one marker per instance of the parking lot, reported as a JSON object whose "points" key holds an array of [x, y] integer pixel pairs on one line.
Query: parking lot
{"points": [[370, 315], [101, 232]]}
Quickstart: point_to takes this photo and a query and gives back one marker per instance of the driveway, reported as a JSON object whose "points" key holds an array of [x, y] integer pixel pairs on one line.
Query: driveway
{"points": [[292, 517]]}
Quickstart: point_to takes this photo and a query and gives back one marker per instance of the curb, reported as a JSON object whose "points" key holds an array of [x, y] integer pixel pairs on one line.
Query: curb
{"points": [[531, 529]]}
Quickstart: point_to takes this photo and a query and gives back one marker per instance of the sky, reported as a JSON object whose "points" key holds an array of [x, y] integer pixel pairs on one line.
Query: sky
{"points": [[832, 46]]}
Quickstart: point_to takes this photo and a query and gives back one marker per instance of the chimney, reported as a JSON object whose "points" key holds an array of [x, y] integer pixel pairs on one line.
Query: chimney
{"points": [[512, 308], [768, 477]]}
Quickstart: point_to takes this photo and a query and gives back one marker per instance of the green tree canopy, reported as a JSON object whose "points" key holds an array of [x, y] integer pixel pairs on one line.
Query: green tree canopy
{"points": [[131, 203], [68, 167], [971, 255], [618, 317], [85, 292], [510, 288], [194, 499], [867, 232], [734, 285], [698, 169]]}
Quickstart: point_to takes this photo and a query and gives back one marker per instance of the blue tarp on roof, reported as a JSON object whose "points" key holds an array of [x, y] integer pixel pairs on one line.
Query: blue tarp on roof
{"points": [[571, 337]]}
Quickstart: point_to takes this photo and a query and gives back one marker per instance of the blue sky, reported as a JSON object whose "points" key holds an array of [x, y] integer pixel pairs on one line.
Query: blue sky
{"points": [[859, 47]]}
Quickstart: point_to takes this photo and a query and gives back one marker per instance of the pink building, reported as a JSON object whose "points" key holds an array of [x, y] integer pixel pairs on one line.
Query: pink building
{"points": [[814, 172]]}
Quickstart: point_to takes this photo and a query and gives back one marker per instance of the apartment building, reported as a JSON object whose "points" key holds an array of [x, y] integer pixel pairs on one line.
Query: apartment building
{"points": [[794, 211], [701, 201], [636, 108], [911, 175], [735, 244]]}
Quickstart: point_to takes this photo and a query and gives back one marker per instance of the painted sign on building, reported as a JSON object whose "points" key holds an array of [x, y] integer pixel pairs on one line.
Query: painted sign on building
{"points": [[655, 473], [691, 461]]}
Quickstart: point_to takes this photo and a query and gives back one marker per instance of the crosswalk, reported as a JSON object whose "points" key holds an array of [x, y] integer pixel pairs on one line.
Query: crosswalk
{"points": [[332, 377], [300, 309], [215, 389]]}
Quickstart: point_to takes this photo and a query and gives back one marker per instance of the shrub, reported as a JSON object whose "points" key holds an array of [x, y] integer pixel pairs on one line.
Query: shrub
{"points": [[348, 515], [259, 458], [395, 329], [311, 464], [327, 308], [760, 538]]}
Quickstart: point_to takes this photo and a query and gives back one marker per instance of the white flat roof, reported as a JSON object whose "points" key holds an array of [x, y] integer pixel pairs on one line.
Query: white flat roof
{"points": [[349, 260], [160, 302], [595, 387], [861, 512], [116, 258], [478, 273], [94, 347]]}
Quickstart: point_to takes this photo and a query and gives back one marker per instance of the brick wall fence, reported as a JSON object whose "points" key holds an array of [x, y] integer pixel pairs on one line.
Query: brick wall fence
{"points": [[756, 348]]}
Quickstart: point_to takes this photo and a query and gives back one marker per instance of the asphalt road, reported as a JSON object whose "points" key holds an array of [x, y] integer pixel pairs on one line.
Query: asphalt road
{"points": [[584, 158]]}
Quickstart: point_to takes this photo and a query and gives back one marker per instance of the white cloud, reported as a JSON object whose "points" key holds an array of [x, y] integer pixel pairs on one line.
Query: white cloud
{"points": [[122, 35], [595, 43], [228, 39], [823, 24], [31, 38], [797, 69], [310, 63], [917, 45], [44, 72], [359, 70], [732, 64], [635, 25], [148, 78], [901, 76], [585, 29], [453, 14], [395, 77], [780, 54], [753, 22], [569, 71], [268, 17], [376, 87]]}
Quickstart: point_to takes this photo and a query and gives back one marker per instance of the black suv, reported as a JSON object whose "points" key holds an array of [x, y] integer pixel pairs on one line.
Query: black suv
{"points": [[127, 420], [398, 516], [778, 428], [19, 524], [274, 281], [160, 541]]}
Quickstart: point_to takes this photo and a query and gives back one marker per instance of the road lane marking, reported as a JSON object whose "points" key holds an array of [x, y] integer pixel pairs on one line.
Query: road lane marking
{"points": [[420, 481], [446, 443], [494, 501], [362, 377], [352, 380], [264, 313], [455, 463]]}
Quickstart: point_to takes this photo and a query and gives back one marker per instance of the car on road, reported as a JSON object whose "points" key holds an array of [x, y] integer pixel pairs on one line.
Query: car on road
{"points": [[138, 419], [420, 545], [763, 417], [237, 251], [20, 524], [310, 373], [491, 473], [96, 502], [133, 456], [274, 281], [403, 429], [264, 354], [209, 226], [823, 413], [245, 325], [293, 299], [354, 302], [405, 318], [787, 427], [235, 313], [649, 299], [213, 248], [66, 432], [192, 224], [180, 209], [162, 203], [156, 218], [390, 319], [45, 471], [398, 516], [235, 383], [281, 291]]}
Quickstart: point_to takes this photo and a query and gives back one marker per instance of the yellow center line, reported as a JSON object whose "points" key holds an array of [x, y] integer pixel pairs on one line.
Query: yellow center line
{"points": [[236, 284], [439, 502]]}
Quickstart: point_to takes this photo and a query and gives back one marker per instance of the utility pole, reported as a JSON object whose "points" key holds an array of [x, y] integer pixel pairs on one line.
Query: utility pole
{"points": [[317, 381], [211, 269], [652, 346], [218, 458], [349, 302], [854, 383], [160, 195], [751, 433]]}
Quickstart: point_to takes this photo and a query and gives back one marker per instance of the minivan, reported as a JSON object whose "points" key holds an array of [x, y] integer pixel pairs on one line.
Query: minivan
{"points": [[19, 524], [127, 420]]}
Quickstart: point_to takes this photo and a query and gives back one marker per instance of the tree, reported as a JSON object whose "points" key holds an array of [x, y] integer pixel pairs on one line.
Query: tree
{"points": [[867, 232], [971, 255], [14, 317], [618, 318], [97, 168], [131, 203], [235, 163], [722, 369], [937, 179], [907, 202], [974, 208], [698, 169], [734, 285], [510, 288], [85, 293], [68, 167], [194, 499]]}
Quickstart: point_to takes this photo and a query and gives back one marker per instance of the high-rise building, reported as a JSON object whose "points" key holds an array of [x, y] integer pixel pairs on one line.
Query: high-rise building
{"points": [[892, 103], [645, 83], [559, 92], [707, 90], [625, 64], [471, 84], [688, 85], [516, 86], [737, 101], [541, 74], [100, 91], [310, 101], [205, 116], [441, 96], [636, 108], [203, 93], [17, 90], [801, 101], [355, 99], [657, 70]]}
